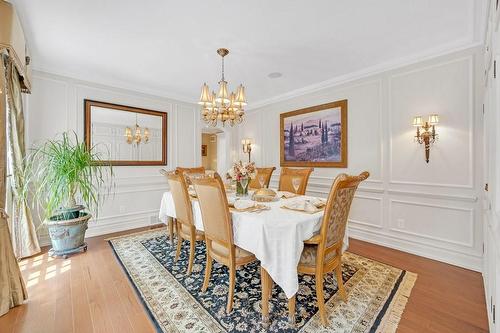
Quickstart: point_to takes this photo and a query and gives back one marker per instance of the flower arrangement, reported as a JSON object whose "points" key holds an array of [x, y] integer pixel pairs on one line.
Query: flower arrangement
{"points": [[241, 170]]}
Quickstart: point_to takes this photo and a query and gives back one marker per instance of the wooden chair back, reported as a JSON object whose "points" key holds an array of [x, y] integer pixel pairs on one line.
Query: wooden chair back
{"points": [[180, 195], [266, 172], [199, 169], [286, 176], [337, 210], [190, 171], [214, 209]]}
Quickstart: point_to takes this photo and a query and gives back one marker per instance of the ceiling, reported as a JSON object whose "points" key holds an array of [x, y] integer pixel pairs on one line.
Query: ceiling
{"points": [[168, 48]]}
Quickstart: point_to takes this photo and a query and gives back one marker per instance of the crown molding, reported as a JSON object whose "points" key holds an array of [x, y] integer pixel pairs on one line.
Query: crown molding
{"points": [[335, 81], [367, 72], [116, 85]]}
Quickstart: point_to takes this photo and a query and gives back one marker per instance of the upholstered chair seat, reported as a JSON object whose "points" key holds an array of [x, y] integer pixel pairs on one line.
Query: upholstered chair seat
{"points": [[308, 257], [185, 231], [241, 254]]}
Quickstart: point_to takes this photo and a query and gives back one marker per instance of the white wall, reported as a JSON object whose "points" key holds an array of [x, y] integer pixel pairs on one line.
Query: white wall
{"points": [[56, 105], [427, 209]]}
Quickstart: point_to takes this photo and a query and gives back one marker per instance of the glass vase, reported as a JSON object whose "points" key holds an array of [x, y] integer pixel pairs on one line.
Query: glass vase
{"points": [[241, 190]]}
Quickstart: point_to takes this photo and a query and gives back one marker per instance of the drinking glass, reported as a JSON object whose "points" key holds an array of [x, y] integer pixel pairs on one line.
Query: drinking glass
{"points": [[261, 181], [244, 184], [296, 183]]}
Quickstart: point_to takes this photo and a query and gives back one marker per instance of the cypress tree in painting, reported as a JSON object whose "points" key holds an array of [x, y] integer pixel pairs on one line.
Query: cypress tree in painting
{"points": [[291, 142], [326, 132], [319, 125], [302, 127]]}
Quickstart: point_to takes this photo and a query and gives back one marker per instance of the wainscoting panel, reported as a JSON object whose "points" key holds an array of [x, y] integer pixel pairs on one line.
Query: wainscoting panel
{"points": [[449, 224], [429, 209], [366, 211]]}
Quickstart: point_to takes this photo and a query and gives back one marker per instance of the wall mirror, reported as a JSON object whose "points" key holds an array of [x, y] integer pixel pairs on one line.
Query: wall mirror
{"points": [[126, 135]]}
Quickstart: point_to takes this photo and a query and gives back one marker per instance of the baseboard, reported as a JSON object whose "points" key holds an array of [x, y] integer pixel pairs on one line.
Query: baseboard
{"points": [[122, 223], [447, 256]]}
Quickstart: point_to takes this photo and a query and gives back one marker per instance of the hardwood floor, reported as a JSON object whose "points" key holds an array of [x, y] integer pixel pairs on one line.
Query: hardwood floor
{"points": [[90, 293]]}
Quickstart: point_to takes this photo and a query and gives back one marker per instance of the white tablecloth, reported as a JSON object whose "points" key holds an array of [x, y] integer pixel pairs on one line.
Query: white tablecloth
{"points": [[275, 236]]}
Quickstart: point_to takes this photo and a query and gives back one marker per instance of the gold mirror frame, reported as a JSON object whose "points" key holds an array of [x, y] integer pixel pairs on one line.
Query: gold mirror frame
{"points": [[88, 104]]}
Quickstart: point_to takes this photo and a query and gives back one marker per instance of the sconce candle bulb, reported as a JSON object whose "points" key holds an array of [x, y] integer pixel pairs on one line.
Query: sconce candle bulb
{"points": [[426, 132], [247, 147]]}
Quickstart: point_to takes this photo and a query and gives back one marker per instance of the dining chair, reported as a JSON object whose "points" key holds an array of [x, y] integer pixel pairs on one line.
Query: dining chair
{"points": [[185, 227], [323, 252], [266, 172], [219, 232], [288, 174], [199, 169]]}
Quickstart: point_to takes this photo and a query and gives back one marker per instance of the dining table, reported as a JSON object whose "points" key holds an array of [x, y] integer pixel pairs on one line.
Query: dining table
{"points": [[275, 236]]}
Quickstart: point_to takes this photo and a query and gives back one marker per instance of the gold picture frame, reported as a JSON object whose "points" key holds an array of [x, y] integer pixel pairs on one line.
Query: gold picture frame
{"points": [[317, 139], [89, 105]]}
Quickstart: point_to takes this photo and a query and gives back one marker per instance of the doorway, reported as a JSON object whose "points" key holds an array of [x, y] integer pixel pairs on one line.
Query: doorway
{"points": [[211, 149]]}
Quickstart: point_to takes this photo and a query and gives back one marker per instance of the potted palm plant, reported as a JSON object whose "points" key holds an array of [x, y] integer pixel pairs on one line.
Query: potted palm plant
{"points": [[58, 173]]}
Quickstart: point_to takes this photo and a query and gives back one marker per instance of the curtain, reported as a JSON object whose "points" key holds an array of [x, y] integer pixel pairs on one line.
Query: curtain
{"points": [[12, 289], [24, 237]]}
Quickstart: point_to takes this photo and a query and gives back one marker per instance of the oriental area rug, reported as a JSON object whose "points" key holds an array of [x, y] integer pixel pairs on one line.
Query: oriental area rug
{"points": [[377, 293]]}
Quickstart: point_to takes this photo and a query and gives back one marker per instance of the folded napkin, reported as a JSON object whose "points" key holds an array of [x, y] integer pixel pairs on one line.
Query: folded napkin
{"points": [[303, 205], [317, 202], [286, 194], [243, 204]]}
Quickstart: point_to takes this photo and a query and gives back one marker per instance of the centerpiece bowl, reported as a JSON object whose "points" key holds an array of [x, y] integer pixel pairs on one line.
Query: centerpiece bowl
{"points": [[264, 195]]}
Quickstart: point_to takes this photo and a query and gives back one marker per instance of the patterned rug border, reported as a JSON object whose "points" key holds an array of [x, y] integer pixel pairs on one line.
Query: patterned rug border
{"points": [[146, 304], [390, 322], [136, 288], [387, 324], [135, 233]]}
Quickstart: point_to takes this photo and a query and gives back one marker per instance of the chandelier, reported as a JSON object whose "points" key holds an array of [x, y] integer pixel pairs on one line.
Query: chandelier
{"points": [[224, 106], [138, 135]]}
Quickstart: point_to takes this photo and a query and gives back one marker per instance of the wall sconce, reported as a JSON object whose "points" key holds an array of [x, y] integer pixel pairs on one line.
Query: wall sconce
{"points": [[426, 132], [247, 147]]}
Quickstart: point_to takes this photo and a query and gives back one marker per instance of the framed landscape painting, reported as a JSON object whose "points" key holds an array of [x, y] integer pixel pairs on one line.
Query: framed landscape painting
{"points": [[315, 136]]}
